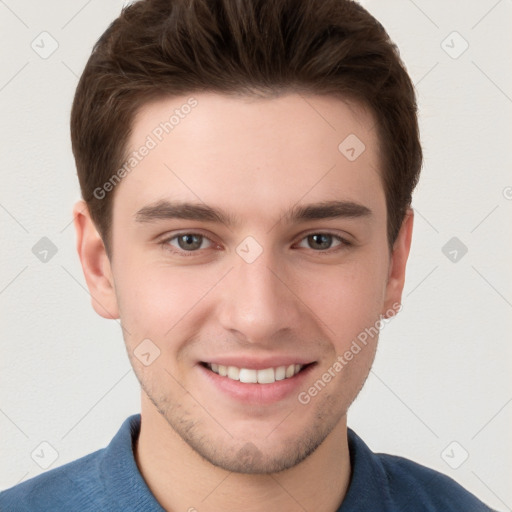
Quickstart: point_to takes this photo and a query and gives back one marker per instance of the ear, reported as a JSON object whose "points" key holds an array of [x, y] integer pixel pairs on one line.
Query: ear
{"points": [[397, 264], [95, 263]]}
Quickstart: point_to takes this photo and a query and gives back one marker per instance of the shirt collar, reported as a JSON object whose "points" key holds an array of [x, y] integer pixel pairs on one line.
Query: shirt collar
{"points": [[124, 485], [368, 481], [127, 490]]}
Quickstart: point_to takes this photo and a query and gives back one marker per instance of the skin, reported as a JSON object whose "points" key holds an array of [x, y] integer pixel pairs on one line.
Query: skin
{"points": [[199, 448]]}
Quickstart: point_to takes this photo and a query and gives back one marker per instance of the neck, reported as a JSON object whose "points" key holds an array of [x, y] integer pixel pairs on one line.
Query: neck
{"points": [[182, 480]]}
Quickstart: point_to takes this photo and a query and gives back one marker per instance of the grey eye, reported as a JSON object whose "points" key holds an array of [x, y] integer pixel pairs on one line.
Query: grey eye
{"points": [[320, 241], [188, 241]]}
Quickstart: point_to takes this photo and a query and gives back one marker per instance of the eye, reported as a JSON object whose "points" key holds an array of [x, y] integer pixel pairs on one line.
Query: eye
{"points": [[321, 242], [186, 242]]}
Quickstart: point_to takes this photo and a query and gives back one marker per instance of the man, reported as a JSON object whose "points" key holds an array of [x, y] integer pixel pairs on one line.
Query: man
{"points": [[247, 171]]}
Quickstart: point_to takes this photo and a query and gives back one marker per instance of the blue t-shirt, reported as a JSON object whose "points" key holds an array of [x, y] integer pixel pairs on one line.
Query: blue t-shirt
{"points": [[109, 480]]}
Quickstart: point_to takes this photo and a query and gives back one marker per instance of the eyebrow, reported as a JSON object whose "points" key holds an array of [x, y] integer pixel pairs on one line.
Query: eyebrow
{"points": [[164, 210]]}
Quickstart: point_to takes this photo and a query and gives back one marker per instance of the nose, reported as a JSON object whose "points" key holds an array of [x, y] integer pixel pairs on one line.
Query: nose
{"points": [[258, 303]]}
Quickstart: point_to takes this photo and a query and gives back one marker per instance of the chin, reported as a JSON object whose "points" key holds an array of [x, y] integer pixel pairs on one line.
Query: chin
{"points": [[247, 453]]}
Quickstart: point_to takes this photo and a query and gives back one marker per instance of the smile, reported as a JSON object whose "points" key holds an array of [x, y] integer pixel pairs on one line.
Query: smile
{"points": [[252, 376]]}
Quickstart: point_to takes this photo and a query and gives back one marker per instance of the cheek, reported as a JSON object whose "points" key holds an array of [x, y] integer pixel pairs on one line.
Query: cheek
{"points": [[157, 301], [347, 298], [154, 300]]}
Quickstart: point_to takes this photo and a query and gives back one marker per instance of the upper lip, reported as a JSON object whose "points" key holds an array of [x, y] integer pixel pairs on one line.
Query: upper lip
{"points": [[253, 363]]}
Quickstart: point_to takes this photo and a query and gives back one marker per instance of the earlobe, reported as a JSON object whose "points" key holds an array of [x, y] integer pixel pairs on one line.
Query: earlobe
{"points": [[397, 266], [95, 263]]}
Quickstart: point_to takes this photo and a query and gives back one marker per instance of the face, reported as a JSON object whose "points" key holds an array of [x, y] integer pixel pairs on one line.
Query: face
{"points": [[275, 268]]}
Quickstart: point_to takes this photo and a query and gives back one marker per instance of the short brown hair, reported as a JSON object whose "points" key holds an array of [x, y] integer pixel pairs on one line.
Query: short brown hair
{"points": [[163, 48]]}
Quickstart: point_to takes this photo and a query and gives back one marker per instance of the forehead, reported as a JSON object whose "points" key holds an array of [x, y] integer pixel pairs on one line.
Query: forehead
{"points": [[251, 154]]}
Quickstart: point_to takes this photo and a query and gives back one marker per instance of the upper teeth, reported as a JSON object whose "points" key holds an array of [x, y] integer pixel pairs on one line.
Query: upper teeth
{"points": [[247, 375]]}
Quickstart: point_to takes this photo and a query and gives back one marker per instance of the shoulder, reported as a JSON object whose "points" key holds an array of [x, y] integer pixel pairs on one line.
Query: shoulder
{"points": [[396, 483], [107, 479], [72, 486], [411, 484]]}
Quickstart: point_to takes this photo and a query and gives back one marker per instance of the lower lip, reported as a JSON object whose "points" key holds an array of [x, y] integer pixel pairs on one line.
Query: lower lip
{"points": [[257, 393]]}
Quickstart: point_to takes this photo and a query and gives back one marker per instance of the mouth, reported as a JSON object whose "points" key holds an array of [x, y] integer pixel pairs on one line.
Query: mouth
{"points": [[268, 375]]}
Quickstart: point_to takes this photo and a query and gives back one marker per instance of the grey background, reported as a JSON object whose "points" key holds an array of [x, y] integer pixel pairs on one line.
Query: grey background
{"points": [[442, 372]]}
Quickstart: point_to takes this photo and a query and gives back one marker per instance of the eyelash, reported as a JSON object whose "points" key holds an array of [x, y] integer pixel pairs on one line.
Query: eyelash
{"points": [[166, 243]]}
